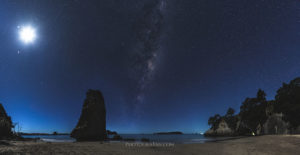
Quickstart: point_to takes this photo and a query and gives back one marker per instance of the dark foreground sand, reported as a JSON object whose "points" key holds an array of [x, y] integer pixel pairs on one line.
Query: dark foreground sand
{"points": [[281, 144]]}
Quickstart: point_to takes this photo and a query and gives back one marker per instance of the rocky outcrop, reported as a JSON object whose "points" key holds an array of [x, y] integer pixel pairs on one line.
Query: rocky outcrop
{"points": [[276, 125], [295, 131], [5, 124], [222, 130], [92, 122], [108, 132]]}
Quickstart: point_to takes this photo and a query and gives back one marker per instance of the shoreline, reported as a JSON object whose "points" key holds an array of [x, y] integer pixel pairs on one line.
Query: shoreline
{"points": [[267, 144], [178, 139]]}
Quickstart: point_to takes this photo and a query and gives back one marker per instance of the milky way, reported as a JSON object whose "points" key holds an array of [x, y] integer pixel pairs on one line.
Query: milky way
{"points": [[148, 30]]}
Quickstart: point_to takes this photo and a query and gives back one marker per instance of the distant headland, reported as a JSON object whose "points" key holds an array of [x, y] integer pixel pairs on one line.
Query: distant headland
{"points": [[54, 133], [168, 133]]}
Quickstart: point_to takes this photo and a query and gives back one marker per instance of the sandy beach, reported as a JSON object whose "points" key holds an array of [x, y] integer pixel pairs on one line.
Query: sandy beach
{"points": [[269, 144]]}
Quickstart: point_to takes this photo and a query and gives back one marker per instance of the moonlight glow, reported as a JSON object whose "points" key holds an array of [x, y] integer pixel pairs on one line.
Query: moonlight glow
{"points": [[27, 34]]}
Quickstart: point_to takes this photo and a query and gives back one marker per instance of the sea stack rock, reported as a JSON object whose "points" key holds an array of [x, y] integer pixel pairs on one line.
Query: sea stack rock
{"points": [[92, 122], [5, 124]]}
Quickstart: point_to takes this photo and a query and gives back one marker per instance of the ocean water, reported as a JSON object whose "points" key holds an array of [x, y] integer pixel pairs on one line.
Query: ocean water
{"points": [[52, 138], [184, 138]]}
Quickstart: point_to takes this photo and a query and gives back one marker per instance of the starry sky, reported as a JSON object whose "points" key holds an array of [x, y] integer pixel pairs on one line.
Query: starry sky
{"points": [[162, 65]]}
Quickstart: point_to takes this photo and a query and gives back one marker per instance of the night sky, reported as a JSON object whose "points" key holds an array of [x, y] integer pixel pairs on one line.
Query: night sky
{"points": [[162, 65]]}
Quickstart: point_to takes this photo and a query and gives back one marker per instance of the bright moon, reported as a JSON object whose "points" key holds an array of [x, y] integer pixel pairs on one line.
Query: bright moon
{"points": [[27, 34]]}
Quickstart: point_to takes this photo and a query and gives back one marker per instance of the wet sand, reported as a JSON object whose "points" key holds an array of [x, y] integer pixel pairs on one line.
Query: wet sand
{"points": [[265, 145]]}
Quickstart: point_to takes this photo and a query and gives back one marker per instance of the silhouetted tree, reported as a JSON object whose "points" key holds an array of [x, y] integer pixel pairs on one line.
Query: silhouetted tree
{"points": [[230, 119], [253, 111], [261, 95], [287, 101], [270, 107], [214, 121], [230, 112]]}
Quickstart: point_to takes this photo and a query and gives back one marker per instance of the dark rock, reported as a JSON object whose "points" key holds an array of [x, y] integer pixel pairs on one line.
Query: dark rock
{"points": [[92, 122], [117, 137], [129, 139], [4, 143], [145, 140], [5, 124], [111, 132]]}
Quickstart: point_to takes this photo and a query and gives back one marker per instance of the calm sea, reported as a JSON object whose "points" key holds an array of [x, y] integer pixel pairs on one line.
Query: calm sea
{"points": [[184, 138]]}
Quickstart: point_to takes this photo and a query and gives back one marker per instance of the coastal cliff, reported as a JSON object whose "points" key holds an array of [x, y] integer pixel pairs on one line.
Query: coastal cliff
{"points": [[259, 116]]}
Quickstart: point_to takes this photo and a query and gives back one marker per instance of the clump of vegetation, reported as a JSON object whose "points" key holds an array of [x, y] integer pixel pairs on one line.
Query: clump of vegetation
{"points": [[287, 102], [253, 113]]}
